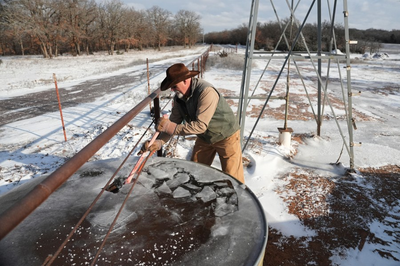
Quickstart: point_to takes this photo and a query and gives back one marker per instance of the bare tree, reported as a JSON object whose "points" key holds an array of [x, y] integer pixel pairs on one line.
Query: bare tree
{"points": [[159, 20], [144, 31], [55, 26], [37, 17], [111, 23], [13, 23], [77, 17], [194, 28], [136, 29], [239, 34], [4, 26], [87, 20], [129, 28], [181, 27], [187, 23]]}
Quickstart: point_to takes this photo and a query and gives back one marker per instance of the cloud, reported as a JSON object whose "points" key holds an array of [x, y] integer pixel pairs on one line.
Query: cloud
{"points": [[365, 7], [229, 14]]}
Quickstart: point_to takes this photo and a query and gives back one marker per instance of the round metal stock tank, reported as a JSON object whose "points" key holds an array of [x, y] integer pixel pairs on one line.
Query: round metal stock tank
{"points": [[179, 213]]}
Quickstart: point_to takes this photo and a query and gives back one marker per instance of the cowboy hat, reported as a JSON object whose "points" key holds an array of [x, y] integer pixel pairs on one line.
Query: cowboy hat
{"points": [[175, 74]]}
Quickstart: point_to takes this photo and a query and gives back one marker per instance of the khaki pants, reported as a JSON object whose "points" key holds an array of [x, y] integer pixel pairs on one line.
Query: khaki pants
{"points": [[229, 151]]}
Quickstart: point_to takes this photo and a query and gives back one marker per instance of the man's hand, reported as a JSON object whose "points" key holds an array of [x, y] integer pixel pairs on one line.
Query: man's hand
{"points": [[165, 125], [157, 144]]}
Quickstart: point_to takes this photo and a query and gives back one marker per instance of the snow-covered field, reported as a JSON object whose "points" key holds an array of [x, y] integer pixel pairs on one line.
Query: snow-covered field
{"points": [[35, 147]]}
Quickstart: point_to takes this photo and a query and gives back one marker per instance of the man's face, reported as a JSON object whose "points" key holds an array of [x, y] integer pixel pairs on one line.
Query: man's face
{"points": [[181, 88]]}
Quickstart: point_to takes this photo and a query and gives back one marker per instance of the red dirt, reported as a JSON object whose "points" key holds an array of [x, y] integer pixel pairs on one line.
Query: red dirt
{"points": [[340, 211]]}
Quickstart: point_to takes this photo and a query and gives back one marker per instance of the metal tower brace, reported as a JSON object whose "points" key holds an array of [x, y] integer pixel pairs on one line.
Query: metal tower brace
{"points": [[244, 91]]}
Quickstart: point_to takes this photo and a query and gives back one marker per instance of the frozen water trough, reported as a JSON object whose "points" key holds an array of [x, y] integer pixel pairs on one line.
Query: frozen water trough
{"points": [[179, 213]]}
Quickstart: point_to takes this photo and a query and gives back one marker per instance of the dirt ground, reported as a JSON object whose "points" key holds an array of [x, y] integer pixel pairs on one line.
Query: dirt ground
{"points": [[340, 211]]}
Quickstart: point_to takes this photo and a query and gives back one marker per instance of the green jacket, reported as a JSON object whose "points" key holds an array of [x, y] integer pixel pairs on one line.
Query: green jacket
{"points": [[223, 123]]}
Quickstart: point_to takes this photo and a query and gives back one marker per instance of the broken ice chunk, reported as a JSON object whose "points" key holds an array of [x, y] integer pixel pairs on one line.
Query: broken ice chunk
{"points": [[180, 178], [226, 191], [158, 173], [233, 200], [164, 189], [222, 208], [181, 193], [167, 167], [146, 182], [206, 194], [193, 187]]}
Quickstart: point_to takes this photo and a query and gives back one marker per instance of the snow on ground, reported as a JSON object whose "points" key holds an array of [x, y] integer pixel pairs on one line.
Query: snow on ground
{"points": [[34, 147], [27, 74]]}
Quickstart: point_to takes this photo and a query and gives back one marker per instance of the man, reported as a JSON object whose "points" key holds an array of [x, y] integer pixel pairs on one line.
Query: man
{"points": [[207, 115]]}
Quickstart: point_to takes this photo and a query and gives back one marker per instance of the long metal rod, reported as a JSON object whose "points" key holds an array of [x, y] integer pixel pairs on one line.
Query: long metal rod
{"points": [[148, 80], [255, 97], [312, 57], [14, 215], [244, 91], [331, 43], [288, 72], [348, 69], [319, 39]]}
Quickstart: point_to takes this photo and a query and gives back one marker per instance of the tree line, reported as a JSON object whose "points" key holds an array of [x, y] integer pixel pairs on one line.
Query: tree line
{"points": [[53, 27], [269, 36]]}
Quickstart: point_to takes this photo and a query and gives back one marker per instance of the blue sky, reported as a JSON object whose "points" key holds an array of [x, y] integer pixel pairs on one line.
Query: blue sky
{"points": [[218, 15]]}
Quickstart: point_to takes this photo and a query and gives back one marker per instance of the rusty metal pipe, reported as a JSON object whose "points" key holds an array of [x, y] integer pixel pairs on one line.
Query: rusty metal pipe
{"points": [[14, 215]]}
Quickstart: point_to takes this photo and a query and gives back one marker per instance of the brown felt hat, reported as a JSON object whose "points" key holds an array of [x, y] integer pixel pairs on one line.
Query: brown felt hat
{"points": [[175, 74]]}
